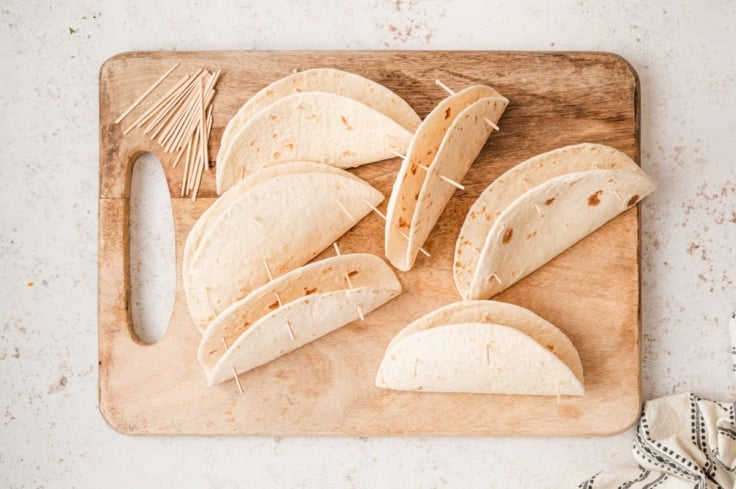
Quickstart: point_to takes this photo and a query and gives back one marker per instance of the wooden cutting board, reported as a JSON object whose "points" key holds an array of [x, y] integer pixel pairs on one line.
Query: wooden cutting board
{"points": [[591, 291]]}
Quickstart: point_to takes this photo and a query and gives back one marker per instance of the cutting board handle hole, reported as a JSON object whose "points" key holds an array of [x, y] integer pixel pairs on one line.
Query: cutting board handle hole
{"points": [[152, 250]]}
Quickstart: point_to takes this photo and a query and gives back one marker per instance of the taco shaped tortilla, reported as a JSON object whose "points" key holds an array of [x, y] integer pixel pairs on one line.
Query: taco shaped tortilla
{"points": [[538, 209], [482, 347], [271, 222], [330, 80], [293, 310], [445, 145], [313, 126]]}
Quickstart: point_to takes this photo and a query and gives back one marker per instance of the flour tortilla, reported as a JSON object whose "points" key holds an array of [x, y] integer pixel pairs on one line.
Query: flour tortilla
{"points": [[572, 206], [314, 126], [476, 357], [495, 312], [511, 185], [221, 204], [343, 83], [316, 298], [284, 221], [447, 142]]}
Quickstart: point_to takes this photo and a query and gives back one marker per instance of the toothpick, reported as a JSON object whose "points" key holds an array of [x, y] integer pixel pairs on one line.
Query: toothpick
{"points": [[197, 174], [402, 233], [443, 178], [452, 92], [394, 152], [425, 168], [539, 211], [235, 373], [497, 279], [374, 209], [166, 110], [350, 283], [445, 87], [291, 331], [526, 183], [268, 270], [203, 122], [157, 105], [186, 168], [145, 94], [617, 195], [178, 157], [278, 298], [347, 212]]}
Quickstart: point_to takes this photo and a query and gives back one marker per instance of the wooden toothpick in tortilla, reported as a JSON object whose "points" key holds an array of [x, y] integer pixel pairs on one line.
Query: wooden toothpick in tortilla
{"points": [[452, 92], [278, 299], [342, 207], [235, 374], [350, 283], [426, 168], [406, 236]]}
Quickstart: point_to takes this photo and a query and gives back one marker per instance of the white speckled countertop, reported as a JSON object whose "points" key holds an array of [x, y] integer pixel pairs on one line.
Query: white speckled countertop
{"points": [[51, 433]]}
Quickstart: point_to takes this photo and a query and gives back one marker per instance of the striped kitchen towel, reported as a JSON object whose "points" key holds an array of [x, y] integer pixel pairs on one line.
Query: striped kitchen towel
{"points": [[682, 442]]}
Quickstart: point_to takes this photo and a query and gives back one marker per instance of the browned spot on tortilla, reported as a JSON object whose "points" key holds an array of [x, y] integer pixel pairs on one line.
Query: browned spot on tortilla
{"points": [[309, 291], [551, 347], [633, 200], [346, 123], [403, 223], [348, 153], [416, 197], [488, 216], [531, 235], [289, 146], [458, 264], [448, 112], [274, 117], [413, 168], [593, 200], [273, 306], [549, 201], [507, 235], [273, 136], [276, 155], [353, 273]]}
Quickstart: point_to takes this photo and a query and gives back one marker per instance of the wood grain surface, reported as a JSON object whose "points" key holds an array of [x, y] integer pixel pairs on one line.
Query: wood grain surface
{"points": [[591, 291]]}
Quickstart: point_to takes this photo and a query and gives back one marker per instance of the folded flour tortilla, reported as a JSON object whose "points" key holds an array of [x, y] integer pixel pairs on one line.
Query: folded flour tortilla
{"points": [[330, 80], [482, 347], [271, 222], [314, 126], [538, 209], [292, 310], [446, 143]]}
